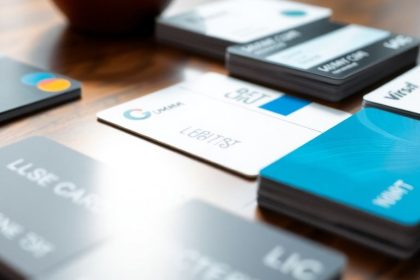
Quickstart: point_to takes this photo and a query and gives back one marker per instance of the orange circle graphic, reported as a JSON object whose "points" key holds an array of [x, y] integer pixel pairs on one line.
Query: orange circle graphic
{"points": [[54, 85]]}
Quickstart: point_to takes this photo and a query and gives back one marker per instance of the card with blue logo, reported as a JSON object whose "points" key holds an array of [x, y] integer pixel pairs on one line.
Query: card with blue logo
{"points": [[360, 178], [230, 123], [25, 89], [401, 95]]}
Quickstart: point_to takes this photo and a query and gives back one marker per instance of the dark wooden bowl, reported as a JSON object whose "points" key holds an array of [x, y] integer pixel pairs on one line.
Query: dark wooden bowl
{"points": [[111, 16]]}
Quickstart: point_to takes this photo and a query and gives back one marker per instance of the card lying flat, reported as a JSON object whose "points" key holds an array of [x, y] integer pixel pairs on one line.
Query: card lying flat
{"points": [[237, 21], [401, 95], [25, 89], [361, 176], [56, 204], [202, 242], [47, 208], [236, 125]]}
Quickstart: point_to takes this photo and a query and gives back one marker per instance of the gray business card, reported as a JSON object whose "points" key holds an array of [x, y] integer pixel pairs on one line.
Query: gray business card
{"points": [[50, 206], [200, 242], [26, 89]]}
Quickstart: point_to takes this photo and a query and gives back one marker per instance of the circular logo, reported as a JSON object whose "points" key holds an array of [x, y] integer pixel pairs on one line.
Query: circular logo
{"points": [[47, 82], [137, 114], [293, 13]]}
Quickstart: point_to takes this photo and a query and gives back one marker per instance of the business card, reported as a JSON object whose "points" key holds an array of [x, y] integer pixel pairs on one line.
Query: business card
{"points": [[241, 21], [327, 49], [49, 206], [203, 242], [57, 204], [25, 89], [233, 124], [367, 163], [401, 95]]}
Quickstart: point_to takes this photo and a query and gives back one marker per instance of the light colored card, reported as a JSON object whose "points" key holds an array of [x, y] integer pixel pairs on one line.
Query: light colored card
{"points": [[401, 94], [242, 21], [233, 124]]}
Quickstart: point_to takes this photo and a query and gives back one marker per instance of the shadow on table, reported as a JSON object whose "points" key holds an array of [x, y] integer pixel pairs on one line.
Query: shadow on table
{"points": [[96, 58]]}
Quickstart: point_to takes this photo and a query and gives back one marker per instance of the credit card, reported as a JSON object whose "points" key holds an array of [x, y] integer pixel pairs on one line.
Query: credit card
{"points": [[237, 21], [325, 50], [203, 242], [401, 95], [25, 89], [368, 163], [233, 124]]}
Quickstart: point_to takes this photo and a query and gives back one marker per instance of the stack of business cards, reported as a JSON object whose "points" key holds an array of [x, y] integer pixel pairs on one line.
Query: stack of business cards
{"points": [[25, 89], [202, 242], [324, 59], [360, 179], [212, 27], [401, 95], [233, 124]]}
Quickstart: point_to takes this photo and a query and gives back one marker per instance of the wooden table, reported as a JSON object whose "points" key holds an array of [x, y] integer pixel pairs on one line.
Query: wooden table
{"points": [[117, 70]]}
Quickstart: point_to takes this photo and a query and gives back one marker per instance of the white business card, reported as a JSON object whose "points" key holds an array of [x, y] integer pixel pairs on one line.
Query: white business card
{"points": [[233, 124], [241, 21], [401, 94]]}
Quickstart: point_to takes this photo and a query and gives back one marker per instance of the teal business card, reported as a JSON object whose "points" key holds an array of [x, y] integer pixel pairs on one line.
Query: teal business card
{"points": [[369, 162], [359, 179]]}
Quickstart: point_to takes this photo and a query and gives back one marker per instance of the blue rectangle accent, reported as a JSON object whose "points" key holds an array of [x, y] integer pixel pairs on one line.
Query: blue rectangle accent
{"points": [[285, 105]]}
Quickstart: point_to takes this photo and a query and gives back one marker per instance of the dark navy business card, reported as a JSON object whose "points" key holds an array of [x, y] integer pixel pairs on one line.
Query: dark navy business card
{"points": [[25, 89], [201, 242], [326, 49]]}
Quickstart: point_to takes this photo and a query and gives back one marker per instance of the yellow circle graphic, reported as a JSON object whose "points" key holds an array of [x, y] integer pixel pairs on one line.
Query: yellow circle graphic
{"points": [[54, 85]]}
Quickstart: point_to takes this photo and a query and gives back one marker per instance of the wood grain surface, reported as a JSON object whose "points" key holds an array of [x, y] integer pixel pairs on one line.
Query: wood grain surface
{"points": [[115, 70]]}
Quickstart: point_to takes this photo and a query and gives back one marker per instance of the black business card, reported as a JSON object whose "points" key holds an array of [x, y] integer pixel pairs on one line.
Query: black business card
{"points": [[25, 89], [325, 50]]}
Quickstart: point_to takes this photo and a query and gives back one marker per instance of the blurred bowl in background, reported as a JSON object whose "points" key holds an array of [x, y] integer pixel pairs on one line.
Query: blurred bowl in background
{"points": [[111, 16]]}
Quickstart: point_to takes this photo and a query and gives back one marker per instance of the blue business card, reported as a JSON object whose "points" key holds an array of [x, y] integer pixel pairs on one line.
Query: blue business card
{"points": [[370, 163]]}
